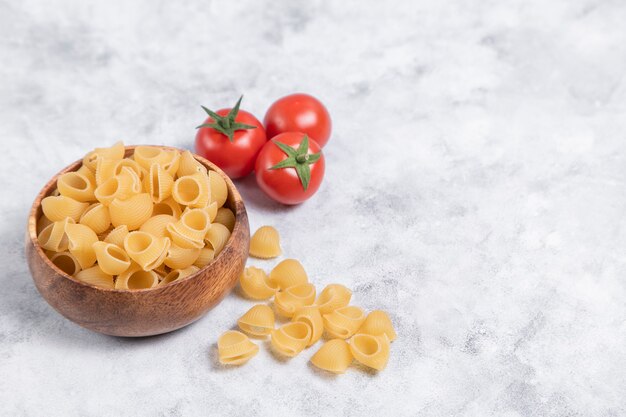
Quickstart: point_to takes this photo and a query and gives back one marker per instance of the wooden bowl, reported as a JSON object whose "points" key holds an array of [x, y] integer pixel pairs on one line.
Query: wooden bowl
{"points": [[140, 312]]}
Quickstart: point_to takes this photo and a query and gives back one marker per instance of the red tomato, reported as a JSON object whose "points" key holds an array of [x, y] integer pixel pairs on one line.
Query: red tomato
{"points": [[290, 167], [299, 113], [231, 139]]}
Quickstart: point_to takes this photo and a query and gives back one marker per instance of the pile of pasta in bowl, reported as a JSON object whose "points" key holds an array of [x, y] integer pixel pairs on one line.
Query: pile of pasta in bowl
{"points": [[135, 222]]}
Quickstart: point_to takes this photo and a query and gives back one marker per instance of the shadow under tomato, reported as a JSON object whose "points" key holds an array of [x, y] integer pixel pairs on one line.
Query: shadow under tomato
{"points": [[255, 198]]}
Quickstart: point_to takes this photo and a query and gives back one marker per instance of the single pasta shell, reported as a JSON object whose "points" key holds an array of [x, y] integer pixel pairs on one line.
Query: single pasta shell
{"points": [[66, 262], [188, 165], [131, 181], [96, 217], [291, 338], [157, 225], [265, 243], [332, 297], [89, 174], [111, 258], [178, 274], [167, 206], [255, 284], [217, 236], [132, 212], [258, 321], [160, 183], [372, 351], [192, 190], [311, 316], [117, 235], [224, 216], [171, 166], [146, 250], [53, 236], [116, 151], [288, 273], [194, 224], [376, 323], [205, 257], [344, 322], [288, 301], [76, 185], [235, 348], [145, 156], [135, 278], [105, 169], [95, 276], [81, 240], [211, 210], [219, 189], [133, 165], [180, 258], [57, 208], [334, 356]]}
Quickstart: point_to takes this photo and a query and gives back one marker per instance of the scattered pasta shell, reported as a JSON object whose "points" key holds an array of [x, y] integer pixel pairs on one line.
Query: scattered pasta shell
{"points": [[132, 212], [344, 322], [117, 235], [188, 165], [146, 250], [111, 258], [57, 208], [159, 183], [219, 189], [288, 301], [157, 225], [96, 217], [235, 348], [145, 156], [372, 351], [53, 236], [205, 257], [258, 321], [334, 356], [178, 274], [332, 297], [135, 278], [75, 185], [256, 285], [288, 273], [181, 258], [66, 262], [265, 243], [291, 339], [95, 276], [192, 190], [376, 323], [311, 316], [216, 237], [224, 216], [80, 243], [167, 206]]}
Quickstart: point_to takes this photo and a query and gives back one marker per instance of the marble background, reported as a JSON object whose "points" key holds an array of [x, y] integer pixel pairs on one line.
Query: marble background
{"points": [[474, 189]]}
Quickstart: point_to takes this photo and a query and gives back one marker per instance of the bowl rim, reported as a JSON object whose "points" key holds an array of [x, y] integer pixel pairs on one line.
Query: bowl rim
{"points": [[238, 210]]}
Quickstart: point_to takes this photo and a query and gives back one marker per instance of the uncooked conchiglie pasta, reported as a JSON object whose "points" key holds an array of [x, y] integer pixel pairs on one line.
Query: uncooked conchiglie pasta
{"points": [[192, 190], [75, 185], [188, 165], [42, 222], [132, 212], [119, 187], [53, 236], [145, 156], [172, 164], [95, 276], [225, 216], [256, 285], [211, 210], [376, 323], [311, 316], [117, 235], [178, 274], [334, 356], [66, 262], [111, 258], [332, 297], [56, 208], [291, 339], [289, 273], [372, 351], [146, 250], [81, 240], [180, 258], [87, 173], [96, 217], [293, 298], [114, 152], [265, 243], [235, 348], [258, 321], [159, 183], [219, 189], [168, 206], [135, 278], [157, 225], [344, 322], [205, 257], [129, 176], [131, 164], [105, 169], [189, 231], [217, 236]]}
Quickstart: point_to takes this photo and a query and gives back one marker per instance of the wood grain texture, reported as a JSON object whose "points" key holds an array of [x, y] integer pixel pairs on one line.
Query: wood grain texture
{"points": [[140, 312]]}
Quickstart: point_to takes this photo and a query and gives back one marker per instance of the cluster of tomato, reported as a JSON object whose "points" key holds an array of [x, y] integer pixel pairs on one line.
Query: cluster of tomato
{"points": [[285, 151]]}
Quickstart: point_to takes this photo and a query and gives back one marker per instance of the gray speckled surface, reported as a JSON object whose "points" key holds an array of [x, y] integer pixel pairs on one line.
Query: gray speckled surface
{"points": [[475, 190]]}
